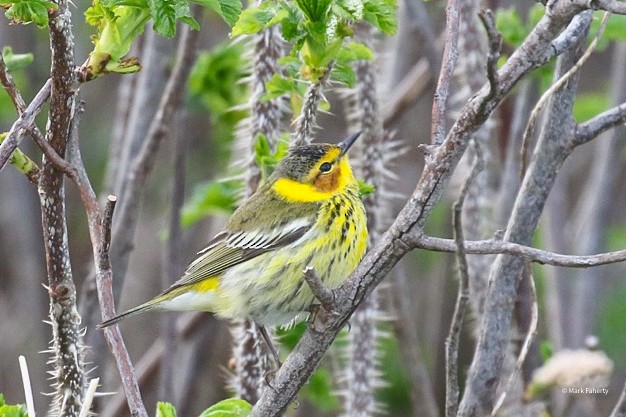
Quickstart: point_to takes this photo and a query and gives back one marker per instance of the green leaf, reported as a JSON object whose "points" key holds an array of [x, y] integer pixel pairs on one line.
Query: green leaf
{"points": [[252, 20], [365, 188], [165, 409], [382, 15], [208, 198], [278, 86], [165, 13], [229, 10], [230, 407], [28, 11], [15, 62], [344, 74], [7, 410], [354, 51], [314, 10]]}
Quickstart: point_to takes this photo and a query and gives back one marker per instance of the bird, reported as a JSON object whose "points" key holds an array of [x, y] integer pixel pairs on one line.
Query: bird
{"points": [[308, 213]]}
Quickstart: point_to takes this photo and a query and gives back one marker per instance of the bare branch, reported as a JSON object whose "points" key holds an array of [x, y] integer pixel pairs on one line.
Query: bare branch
{"points": [[324, 295], [530, 336], [613, 6], [6, 80], [495, 247], [495, 42], [26, 119], [560, 83], [450, 54], [460, 307], [601, 123]]}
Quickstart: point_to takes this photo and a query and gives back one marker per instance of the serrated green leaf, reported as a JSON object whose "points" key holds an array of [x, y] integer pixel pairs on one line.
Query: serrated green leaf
{"points": [[29, 11], [278, 86], [230, 407], [191, 22], [164, 17], [344, 74], [252, 20], [382, 15], [14, 61], [229, 10], [354, 51], [164, 409]]}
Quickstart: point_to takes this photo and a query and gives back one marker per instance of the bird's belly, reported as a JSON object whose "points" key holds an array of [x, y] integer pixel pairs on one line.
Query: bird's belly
{"points": [[271, 288]]}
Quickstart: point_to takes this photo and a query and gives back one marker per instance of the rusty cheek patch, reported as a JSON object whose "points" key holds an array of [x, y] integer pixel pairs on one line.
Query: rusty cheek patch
{"points": [[329, 182]]}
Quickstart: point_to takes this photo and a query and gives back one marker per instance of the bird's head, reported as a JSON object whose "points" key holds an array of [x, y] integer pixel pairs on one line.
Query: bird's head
{"points": [[314, 172]]}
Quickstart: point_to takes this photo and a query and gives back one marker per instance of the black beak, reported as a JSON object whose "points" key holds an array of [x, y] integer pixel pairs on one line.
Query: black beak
{"points": [[347, 143]]}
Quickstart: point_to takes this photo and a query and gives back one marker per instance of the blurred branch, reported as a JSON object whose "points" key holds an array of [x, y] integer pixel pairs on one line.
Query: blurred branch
{"points": [[421, 24], [460, 307], [406, 92], [595, 126], [450, 54]]}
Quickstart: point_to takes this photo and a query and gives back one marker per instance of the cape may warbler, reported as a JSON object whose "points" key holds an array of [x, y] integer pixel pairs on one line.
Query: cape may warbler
{"points": [[308, 213]]}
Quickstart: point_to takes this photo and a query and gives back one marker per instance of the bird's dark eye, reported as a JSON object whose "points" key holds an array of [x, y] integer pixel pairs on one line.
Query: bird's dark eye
{"points": [[326, 167]]}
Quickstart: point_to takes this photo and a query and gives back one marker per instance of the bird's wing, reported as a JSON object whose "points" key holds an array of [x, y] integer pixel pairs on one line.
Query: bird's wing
{"points": [[228, 249]]}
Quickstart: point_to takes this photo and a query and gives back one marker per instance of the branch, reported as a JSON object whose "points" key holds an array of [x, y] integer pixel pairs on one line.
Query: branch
{"points": [[450, 54], [460, 307], [497, 247], [6, 80], [560, 83], [530, 336], [593, 127], [613, 6], [495, 43], [24, 122], [324, 295]]}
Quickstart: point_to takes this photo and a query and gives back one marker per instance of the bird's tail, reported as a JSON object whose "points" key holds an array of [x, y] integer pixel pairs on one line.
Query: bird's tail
{"points": [[149, 306]]}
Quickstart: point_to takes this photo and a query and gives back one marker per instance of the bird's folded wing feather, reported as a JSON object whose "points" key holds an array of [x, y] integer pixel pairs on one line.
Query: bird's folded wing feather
{"points": [[228, 249]]}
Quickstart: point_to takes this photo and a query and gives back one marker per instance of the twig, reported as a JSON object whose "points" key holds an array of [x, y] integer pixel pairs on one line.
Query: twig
{"points": [[530, 128], [6, 80], [460, 307], [495, 42], [599, 124], [324, 295], [530, 335], [26, 119], [496, 247], [450, 54], [28, 390], [613, 6]]}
